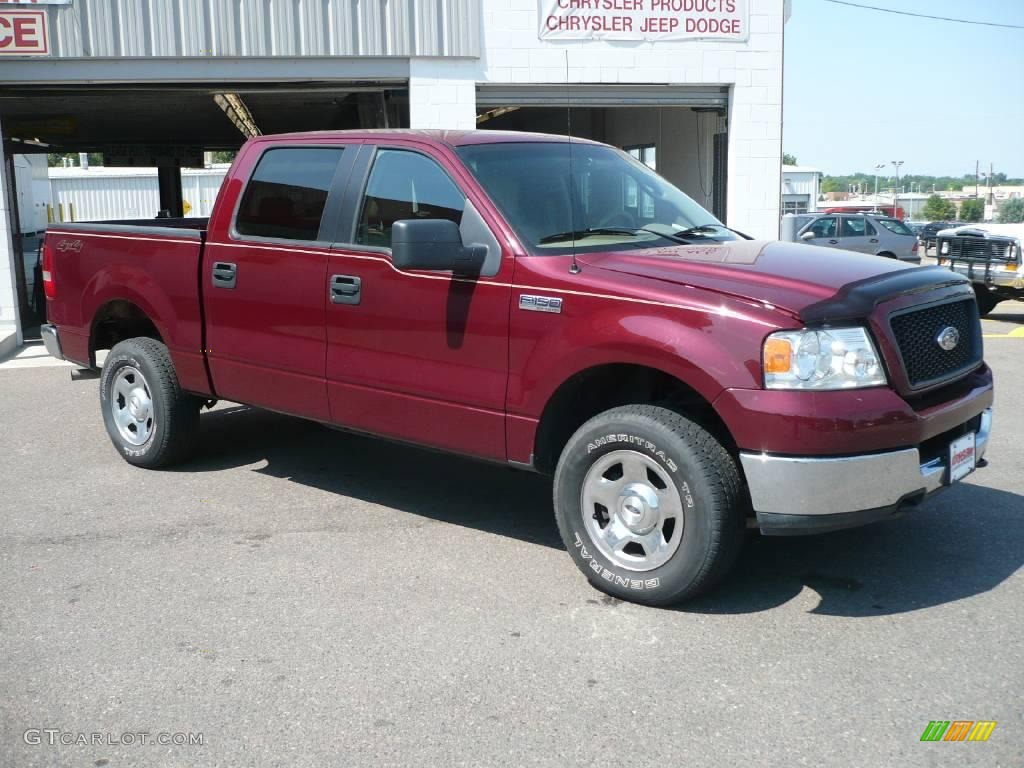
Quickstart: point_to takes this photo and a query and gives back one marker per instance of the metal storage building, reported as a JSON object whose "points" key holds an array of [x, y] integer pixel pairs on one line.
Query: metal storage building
{"points": [[151, 82]]}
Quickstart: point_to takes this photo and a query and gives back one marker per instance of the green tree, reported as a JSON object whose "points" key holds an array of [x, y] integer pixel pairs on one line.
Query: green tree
{"points": [[972, 209], [224, 156], [788, 159], [938, 209], [57, 160], [1012, 211]]}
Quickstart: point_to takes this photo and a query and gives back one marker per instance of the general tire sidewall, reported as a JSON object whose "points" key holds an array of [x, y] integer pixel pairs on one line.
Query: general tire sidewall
{"points": [[116, 360], [673, 454]]}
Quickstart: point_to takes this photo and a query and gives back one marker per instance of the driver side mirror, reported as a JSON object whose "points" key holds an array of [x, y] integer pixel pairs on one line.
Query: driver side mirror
{"points": [[434, 244], [807, 235]]}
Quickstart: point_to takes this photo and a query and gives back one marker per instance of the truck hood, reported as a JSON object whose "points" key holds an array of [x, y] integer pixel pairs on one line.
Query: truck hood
{"points": [[986, 230], [790, 276]]}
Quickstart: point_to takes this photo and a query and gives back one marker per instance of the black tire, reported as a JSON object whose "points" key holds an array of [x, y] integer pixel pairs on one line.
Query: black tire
{"points": [[704, 475], [172, 432], [986, 300]]}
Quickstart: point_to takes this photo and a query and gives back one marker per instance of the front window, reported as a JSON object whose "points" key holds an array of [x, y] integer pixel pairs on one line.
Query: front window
{"points": [[405, 185], [588, 197]]}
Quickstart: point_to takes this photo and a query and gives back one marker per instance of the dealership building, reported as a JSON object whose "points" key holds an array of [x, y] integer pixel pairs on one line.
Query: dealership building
{"points": [[691, 87]]}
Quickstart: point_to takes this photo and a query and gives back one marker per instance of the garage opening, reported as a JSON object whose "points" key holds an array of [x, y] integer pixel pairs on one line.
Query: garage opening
{"points": [[90, 153], [679, 132]]}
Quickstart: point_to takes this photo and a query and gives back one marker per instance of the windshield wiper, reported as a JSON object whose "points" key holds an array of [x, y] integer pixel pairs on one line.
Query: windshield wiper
{"points": [[579, 234]]}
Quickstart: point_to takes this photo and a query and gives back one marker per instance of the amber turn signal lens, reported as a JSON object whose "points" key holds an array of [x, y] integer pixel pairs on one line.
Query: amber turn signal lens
{"points": [[778, 356]]}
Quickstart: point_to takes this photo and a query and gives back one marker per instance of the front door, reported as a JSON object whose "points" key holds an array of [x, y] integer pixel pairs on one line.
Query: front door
{"points": [[421, 356], [265, 294], [824, 231]]}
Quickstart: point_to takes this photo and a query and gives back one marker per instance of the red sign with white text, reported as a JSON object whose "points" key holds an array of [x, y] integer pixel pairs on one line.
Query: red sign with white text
{"points": [[24, 33], [643, 20]]}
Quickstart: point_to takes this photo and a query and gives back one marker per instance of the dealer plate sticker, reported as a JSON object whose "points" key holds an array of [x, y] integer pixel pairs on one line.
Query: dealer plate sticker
{"points": [[961, 457]]}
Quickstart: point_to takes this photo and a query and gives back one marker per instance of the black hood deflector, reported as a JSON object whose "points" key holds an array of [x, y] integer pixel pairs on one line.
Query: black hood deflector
{"points": [[855, 301]]}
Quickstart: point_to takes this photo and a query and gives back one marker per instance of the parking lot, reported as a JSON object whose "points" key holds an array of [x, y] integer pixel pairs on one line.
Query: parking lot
{"points": [[299, 596]]}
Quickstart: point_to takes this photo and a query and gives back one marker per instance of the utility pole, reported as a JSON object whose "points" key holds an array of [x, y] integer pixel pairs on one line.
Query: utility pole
{"points": [[976, 178]]}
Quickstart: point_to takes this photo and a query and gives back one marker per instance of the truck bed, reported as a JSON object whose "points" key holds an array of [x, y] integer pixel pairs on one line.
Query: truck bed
{"points": [[149, 266]]}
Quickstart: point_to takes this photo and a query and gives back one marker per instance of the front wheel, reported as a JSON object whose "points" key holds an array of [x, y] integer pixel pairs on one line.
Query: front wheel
{"points": [[150, 420], [649, 505], [987, 300]]}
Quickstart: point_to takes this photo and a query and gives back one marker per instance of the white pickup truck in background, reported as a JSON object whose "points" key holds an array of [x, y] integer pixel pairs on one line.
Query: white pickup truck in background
{"points": [[989, 255]]}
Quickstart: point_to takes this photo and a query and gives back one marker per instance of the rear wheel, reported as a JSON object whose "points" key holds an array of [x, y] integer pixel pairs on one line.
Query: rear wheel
{"points": [[887, 255], [150, 420], [987, 300], [649, 505]]}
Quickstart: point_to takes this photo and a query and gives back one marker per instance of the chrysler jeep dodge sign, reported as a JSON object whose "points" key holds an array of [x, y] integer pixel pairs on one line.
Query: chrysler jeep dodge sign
{"points": [[643, 19]]}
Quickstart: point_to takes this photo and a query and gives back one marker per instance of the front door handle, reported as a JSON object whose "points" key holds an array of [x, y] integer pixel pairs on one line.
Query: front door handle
{"points": [[833, 242], [874, 240], [345, 289], [225, 274]]}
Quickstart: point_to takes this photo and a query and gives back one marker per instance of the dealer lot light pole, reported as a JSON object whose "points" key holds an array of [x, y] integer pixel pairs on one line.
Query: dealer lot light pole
{"points": [[896, 189]]}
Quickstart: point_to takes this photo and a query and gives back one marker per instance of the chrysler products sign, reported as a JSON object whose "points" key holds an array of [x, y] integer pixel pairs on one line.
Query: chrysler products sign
{"points": [[643, 20]]}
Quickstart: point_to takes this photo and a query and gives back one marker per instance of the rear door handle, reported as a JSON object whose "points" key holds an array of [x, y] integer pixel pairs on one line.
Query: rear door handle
{"points": [[225, 274], [345, 289], [833, 242]]}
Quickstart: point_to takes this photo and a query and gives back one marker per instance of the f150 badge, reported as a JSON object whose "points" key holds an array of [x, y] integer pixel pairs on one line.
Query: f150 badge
{"points": [[64, 246], [540, 303]]}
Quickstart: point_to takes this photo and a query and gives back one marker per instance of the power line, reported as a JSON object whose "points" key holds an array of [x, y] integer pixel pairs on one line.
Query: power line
{"points": [[925, 15]]}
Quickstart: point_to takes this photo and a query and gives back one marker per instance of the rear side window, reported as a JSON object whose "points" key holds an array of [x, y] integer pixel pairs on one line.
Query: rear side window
{"points": [[896, 226], [287, 192], [405, 185]]}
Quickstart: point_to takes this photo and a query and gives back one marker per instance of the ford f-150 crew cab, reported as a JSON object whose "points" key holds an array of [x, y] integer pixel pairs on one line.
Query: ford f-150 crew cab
{"points": [[546, 303]]}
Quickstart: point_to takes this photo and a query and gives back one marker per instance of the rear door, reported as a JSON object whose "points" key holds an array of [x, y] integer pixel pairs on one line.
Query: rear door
{"points": [[417, 355], [856, 233], [266, 281]]}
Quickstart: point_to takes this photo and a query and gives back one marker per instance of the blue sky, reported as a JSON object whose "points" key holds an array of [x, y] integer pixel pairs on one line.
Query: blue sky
{"points": [[864, 87]]}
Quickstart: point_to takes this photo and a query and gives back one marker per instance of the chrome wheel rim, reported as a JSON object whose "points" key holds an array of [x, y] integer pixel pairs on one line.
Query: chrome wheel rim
{"points": [[131, 405], [632, 510]]}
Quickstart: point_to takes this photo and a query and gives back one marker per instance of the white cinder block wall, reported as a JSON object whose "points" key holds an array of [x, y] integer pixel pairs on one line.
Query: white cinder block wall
{"points": [[442, 92]]}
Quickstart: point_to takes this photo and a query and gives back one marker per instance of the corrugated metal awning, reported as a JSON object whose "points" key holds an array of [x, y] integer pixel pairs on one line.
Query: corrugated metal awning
{"points": [[601, 96]]}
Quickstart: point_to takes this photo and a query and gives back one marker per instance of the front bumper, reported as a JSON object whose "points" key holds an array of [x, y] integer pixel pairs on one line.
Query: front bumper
{"points": [[996, 276], [51, 340], [794, 495]]}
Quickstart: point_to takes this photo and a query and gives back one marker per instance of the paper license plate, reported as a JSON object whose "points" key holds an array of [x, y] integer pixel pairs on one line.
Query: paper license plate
{"points": [[961, 457]]}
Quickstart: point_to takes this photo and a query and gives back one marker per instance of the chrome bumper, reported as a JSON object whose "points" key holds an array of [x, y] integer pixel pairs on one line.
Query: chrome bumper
{"points": [[997, 276], [804, 494], [51, 340]]}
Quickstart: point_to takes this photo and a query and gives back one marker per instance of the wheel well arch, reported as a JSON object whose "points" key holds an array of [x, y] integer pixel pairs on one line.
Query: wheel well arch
{"points": [[594, 390], [117, 320]]}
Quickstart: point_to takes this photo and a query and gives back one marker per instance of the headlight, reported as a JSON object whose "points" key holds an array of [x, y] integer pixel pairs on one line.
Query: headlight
{"points": [[839, 358]]}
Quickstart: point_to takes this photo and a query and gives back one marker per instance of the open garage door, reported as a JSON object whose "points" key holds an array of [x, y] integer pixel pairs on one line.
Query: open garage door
{"points": [[166, 125], [679, 131]]}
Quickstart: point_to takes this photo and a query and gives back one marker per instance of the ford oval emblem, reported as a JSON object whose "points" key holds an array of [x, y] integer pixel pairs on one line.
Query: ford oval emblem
{"points": [[948, 338]]}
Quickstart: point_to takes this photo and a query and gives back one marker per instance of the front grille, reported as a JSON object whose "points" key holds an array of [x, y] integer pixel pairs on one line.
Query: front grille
{"points": [[977, 248], [917, 332]]}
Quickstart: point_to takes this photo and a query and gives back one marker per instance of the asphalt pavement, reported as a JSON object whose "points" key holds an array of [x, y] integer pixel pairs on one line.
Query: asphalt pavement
{"points": [[298, 596]]}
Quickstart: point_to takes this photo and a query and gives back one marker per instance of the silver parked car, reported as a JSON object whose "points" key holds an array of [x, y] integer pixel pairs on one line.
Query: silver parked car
{"points": [[863, 232]]}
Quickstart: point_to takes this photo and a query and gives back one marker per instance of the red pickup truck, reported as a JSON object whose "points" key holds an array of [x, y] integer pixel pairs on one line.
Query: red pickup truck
{"points": [[550, 304]]}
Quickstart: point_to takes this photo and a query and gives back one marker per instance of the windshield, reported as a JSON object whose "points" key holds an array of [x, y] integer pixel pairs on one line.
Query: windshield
{"points": [[609, 201], [896, 226]]}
